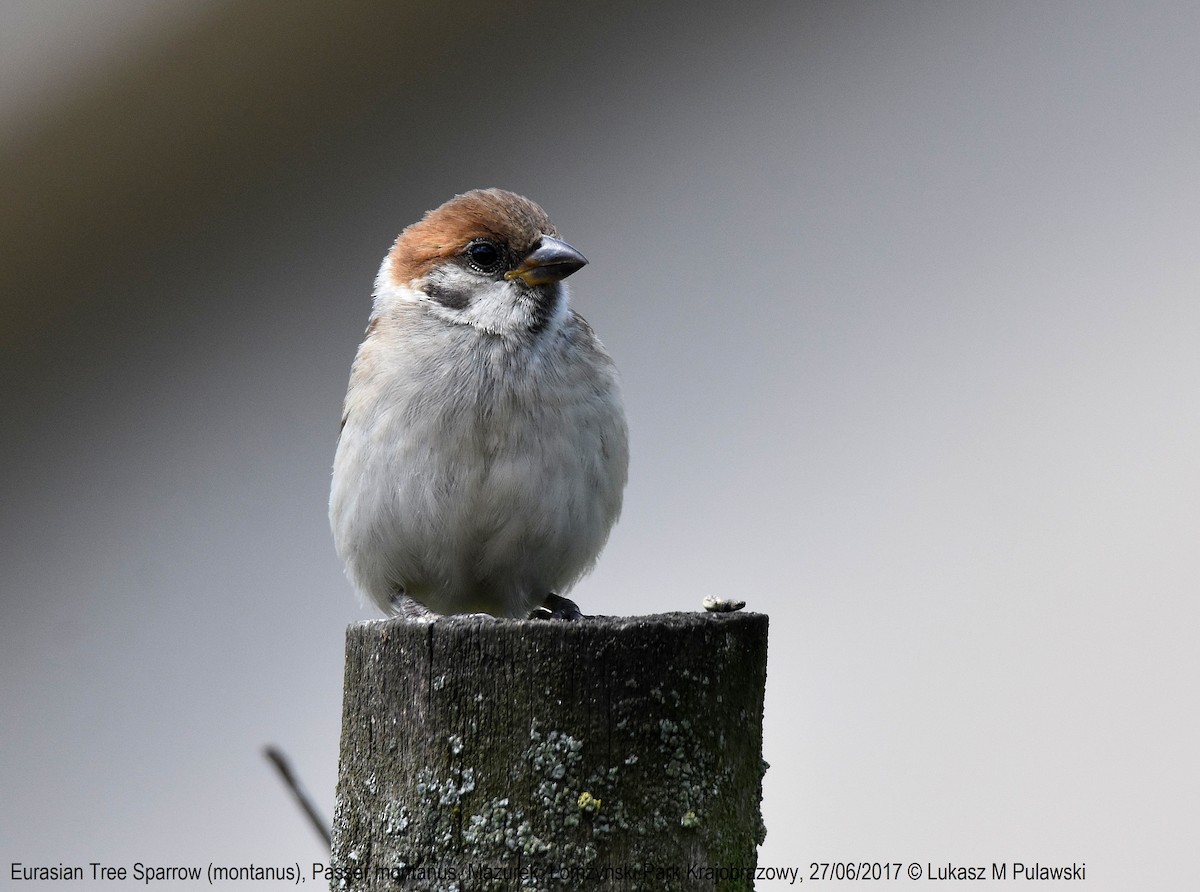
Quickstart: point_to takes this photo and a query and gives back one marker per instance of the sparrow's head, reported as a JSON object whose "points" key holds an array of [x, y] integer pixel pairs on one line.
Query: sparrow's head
{"points": [[488, 258]]}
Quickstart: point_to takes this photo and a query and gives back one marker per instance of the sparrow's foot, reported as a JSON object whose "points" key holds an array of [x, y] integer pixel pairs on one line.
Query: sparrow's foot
{"points": [[413, 611], [557, 607]]}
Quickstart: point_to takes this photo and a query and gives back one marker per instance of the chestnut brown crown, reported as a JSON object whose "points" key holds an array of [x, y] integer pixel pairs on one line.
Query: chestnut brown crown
{"points": [[444, 233]]}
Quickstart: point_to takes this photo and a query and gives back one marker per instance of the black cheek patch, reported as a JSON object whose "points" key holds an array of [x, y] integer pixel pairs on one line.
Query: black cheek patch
{"points": [[450, 297]]}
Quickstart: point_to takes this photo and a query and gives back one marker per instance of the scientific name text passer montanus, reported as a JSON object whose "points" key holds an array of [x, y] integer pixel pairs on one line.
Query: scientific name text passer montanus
{"points": [[483, 450]]}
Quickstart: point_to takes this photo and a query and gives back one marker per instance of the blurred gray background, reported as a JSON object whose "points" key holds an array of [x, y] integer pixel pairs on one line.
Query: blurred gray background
{"points": [[905, 300]]}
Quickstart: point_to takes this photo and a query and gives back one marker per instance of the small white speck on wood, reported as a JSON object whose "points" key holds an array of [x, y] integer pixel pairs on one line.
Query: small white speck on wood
{"points": [[607, 753], [713, 604]]}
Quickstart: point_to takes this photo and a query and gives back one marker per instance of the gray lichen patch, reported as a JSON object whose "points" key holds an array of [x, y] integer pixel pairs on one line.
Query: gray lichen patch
{"points": [[542, 840]]}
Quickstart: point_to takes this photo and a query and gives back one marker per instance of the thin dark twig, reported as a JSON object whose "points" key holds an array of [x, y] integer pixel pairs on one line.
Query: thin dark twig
{"points": [[284, 767]]}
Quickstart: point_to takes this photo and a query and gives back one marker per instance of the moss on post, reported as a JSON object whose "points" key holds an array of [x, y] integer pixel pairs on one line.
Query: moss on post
{"points": [[608, 753]]}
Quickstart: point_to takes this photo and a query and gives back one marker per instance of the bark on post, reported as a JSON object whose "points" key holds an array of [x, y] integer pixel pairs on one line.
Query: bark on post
{"points": [[607, 753]]}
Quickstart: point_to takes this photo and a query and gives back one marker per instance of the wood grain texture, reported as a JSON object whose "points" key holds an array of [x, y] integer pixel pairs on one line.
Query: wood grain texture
{"points": [[609, 753]]}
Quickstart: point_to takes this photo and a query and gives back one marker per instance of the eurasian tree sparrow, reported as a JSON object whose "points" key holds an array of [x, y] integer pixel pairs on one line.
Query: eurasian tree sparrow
{"points": [[483, 450]]}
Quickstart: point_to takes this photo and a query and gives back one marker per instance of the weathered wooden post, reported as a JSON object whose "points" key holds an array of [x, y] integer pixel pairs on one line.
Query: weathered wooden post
{"points": [[606, 753]]}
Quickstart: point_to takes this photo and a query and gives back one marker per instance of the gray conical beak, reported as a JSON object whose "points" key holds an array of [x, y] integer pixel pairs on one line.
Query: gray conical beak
{"points": [[552, 260]]}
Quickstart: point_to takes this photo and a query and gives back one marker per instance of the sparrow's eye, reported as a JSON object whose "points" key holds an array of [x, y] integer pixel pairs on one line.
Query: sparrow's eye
{"points": [[484, 256]]}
